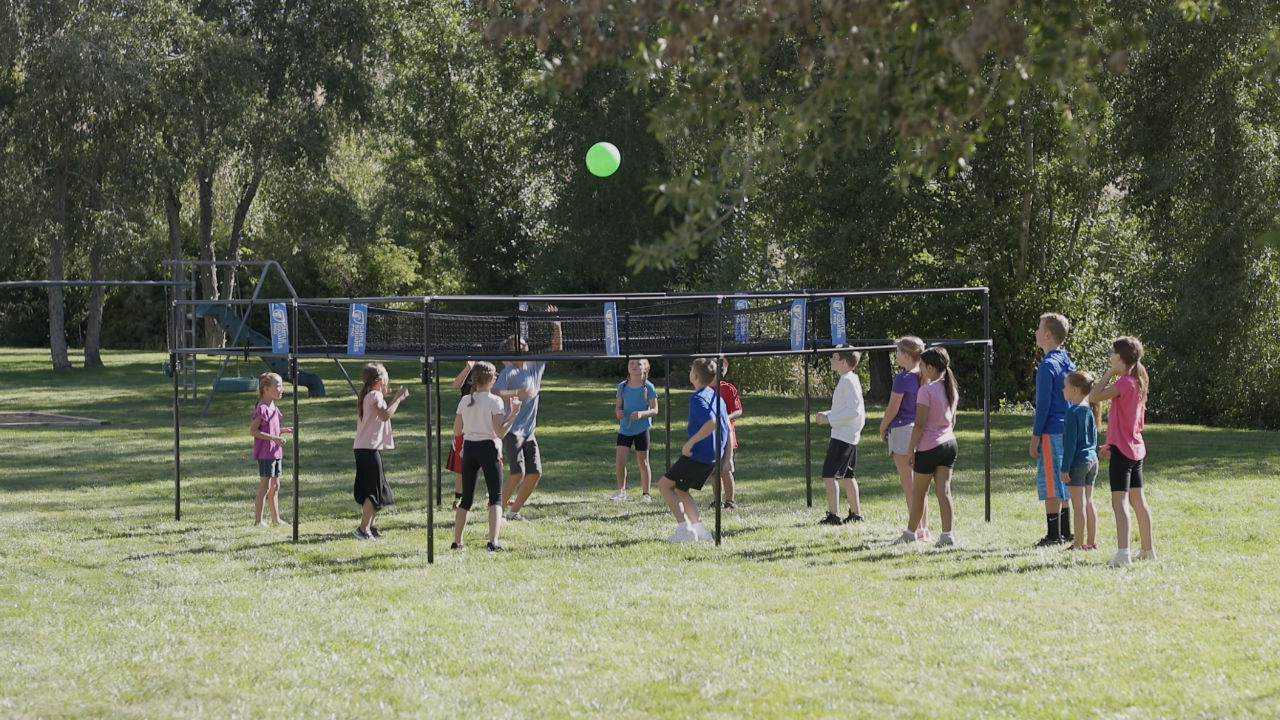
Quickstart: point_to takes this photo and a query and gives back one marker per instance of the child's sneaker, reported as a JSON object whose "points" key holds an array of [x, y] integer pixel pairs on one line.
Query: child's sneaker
{"points": [[907, 536], [1090, 546], [1050, 541], [374, 531], [362, 535], [494, 547], [619, 496], [945, 541], [701, 533], [1120, 559], [1071, 547], [456, 546], [924, 535], [683, 534], [515, 516], [730, 505], [831, 519], [1147, 554], [852, 517], [646, 498]]}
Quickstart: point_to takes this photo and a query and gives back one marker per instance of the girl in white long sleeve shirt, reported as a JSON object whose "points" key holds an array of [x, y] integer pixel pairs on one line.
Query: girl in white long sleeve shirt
{"points": [[846, 417]]}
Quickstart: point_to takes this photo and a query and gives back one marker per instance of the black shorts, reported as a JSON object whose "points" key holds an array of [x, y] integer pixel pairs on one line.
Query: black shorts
{"points": [[928, 461], [641, 441], [689, 474], [1125, 474], [523, 456], [842, 459]]}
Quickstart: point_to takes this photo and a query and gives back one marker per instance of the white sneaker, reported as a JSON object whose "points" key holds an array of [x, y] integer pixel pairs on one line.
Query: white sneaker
{"points": [[1120, 559], [515, 516], [945, 540], [1147, 554], [701, 533], [645, 498], [683, 534], [907, 536], [619, 496]]}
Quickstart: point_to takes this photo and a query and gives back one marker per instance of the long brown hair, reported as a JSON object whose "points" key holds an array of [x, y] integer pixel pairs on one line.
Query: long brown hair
{"points": [[1084, 382], [370, 375], [482, 375], [938, 359], [1129, 348]]}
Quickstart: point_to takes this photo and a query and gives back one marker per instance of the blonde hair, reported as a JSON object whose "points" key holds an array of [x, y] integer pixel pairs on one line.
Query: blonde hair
{"points": [[268, 378], [910, 345], [371, 374], [482, 376], [1084, 382], [646, 367], [1057, 324]]}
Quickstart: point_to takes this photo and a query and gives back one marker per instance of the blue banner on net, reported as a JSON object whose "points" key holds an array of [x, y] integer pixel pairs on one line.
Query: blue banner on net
{"points": [[357, 328], [797, 323], [611, 329], [279, 329], [741, 321], [837, 322]]}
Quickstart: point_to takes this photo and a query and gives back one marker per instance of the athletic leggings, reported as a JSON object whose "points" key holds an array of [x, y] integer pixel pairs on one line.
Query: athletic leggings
{"points": [[480, 455]]}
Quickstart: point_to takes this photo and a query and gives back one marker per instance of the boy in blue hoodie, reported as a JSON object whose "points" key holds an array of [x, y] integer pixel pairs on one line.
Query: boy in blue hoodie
{"points": [[1046, 429]]}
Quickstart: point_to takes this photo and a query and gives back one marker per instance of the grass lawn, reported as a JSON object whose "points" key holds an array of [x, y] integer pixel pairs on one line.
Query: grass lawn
{"points": [[111, 608]]}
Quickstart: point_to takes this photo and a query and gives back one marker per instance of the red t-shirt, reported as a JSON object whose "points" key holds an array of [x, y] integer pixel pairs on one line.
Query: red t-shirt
{"points": [[1127, 416], [732, 404]]}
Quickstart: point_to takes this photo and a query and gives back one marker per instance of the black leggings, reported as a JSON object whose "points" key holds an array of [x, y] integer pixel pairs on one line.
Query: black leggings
{"points": [[480, 455]]}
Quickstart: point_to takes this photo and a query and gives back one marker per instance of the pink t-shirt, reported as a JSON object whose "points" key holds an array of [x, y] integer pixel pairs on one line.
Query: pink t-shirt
{"points": [[373, 433], [1125, 420], [268, 422], [940, 422]]}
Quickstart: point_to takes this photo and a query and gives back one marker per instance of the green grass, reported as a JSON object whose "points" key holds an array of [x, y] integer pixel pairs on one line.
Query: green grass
{"points": [[111, 608]]}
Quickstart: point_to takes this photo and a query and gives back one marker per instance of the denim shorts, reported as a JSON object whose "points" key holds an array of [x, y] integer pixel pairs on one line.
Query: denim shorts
{"points": [[1083, 474], [269, 468]]}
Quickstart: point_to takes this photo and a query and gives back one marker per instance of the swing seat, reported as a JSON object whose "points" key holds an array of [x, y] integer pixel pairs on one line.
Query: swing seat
{"points": [[236, 384]]}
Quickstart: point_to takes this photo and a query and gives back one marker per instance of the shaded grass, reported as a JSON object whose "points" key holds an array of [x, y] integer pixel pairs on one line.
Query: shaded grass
{"points": [[110, 607]]}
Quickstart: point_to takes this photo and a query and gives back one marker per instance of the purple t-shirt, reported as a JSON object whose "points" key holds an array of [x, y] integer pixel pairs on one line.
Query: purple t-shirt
{"points": [[268, 422], [907, 383]]}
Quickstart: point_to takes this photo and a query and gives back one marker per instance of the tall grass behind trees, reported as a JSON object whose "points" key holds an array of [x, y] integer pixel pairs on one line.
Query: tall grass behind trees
{"points": [[110, 607]]}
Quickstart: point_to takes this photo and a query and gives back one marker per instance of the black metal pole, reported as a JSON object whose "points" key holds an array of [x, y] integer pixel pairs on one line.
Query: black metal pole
{"points": [[986, 398], [720, 432], [177, 457], [666, 406], [293, 371], [808, 476], [431, 517], [439, 434]]}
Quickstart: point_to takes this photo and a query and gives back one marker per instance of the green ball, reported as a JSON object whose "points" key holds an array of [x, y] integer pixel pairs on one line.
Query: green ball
{"points": [[603, 159]]}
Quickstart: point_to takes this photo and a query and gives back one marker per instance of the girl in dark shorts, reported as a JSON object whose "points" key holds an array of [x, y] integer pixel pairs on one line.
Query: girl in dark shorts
{"points": [[932, 450], [373, 435], [1125, 446], [635, 405]]}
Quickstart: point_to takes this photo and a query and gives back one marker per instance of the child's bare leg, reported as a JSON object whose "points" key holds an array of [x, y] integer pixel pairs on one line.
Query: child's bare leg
{"points": [[726, 476], [1121, 509], [855, 499], [667, 487], [367, 511], [1077, 502], [620, 465], [509, 489], [833, 495], [1090, 516], [460, 523], [273, 500], [1142, 512], [919, 491], [264, 484], [642, 460], [942, 488], [495, 522], [690, 507], [527, 486], [904, 476]]}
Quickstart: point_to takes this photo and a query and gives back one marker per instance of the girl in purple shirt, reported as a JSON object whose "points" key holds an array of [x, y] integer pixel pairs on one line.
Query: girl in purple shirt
{"points": [[268, 446], [900, 419]]}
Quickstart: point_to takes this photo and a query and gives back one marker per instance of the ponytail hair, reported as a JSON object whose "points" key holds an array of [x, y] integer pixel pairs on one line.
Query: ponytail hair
{"points": [[369, 375], [482, 376], [1129, 348], [938, 359], [1085, 383]]}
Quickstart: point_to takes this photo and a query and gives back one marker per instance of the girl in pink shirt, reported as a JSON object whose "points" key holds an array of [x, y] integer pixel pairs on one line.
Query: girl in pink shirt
{"points": [[932, 449], [1125, 447], [373, 434], [268, 446]]}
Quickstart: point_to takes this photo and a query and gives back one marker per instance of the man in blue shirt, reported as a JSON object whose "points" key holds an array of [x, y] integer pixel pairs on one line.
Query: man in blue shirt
{"points": [[1046, 429], [520, 446]]}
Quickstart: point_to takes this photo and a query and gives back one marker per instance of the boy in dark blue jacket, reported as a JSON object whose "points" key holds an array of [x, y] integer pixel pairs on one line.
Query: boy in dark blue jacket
{"points": [[1046, 429]]}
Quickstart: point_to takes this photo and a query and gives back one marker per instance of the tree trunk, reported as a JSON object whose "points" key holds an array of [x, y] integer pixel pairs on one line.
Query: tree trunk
{"points": [[213, 334], [881, 376], [247, 194], [57, 245], [98, 293], [173, 214]]}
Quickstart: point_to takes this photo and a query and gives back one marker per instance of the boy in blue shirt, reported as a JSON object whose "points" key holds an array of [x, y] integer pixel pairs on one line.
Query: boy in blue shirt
{"points": [[1046, 429], [708, 433]]}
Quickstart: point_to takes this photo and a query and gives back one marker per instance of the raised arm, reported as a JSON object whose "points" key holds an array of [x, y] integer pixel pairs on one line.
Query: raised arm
{"points": [[557, 333], [461, 378]]}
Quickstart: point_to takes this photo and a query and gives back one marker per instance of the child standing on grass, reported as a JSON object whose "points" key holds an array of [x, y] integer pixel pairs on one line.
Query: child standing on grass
{"points": [[479, 421], [462, 383], [373, 435], [932, 451], [900, 419], [846, 417], [1079, 461], [268, 446], [1125, 446], [733, 405], [635, 405], [707, 439], [1046, 429]]}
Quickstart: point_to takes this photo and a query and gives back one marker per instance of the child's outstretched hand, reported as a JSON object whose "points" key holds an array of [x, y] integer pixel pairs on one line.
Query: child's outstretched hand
{"points": [[402, 393], [822, 417]]}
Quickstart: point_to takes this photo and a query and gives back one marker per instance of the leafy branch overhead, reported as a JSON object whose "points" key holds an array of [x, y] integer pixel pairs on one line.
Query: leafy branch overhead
{"points": [[795, 82]]}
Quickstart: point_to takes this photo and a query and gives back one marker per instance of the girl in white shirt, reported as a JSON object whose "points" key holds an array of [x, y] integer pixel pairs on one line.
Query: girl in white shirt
{"points": [[480, 421]]}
